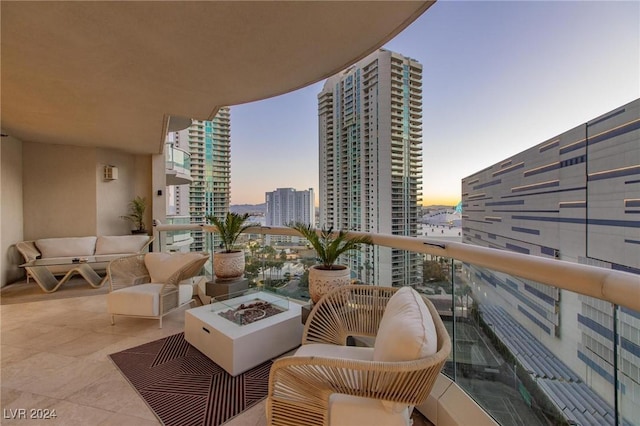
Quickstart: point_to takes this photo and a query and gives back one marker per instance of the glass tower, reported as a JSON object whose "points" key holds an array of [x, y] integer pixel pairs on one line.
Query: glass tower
{"points": [[370, 139]]}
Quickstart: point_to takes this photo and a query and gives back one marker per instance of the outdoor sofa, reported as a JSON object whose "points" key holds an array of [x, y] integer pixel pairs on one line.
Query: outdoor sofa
{"points": [[64, 249]]}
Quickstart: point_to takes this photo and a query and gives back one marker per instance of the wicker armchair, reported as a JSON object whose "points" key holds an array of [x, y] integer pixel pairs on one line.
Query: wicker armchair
{"points": [[139, 287], [302, 387]]}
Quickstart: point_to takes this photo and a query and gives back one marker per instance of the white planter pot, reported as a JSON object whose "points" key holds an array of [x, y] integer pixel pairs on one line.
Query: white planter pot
{"points": [[322, 281], [228, 265]]}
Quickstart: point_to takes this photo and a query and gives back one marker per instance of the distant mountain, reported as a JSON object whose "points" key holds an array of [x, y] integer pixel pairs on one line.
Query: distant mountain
{"points": [[249, 208], [262, 208]]}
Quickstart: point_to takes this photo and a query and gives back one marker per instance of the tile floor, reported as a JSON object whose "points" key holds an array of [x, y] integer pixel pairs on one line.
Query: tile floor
{"points": [[54, 357]]}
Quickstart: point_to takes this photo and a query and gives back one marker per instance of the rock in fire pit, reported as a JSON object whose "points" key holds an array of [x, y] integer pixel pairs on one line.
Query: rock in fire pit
{"points": [[248, 313]]}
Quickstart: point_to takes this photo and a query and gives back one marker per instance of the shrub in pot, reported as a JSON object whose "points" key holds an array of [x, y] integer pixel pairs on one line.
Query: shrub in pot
{"points": [[328, 245], [137, 207], [228, 263]]}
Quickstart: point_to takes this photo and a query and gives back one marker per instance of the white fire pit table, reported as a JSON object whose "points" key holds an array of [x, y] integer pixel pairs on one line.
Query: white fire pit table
{"points": [[236, 345]]}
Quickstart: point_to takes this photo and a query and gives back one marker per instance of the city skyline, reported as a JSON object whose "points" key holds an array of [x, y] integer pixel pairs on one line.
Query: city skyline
{"points": [[499, 77]]}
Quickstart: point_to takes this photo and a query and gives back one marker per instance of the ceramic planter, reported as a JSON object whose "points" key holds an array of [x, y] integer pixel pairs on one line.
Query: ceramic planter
{"points": [[228, 266], [322, 281]]}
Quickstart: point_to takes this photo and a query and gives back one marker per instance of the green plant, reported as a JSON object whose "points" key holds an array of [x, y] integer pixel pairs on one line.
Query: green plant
{"points": [[137, 207], [329, 245], [230, 228]]}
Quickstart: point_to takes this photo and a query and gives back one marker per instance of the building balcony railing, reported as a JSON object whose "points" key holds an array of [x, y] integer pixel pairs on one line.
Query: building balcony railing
{"points": [[525, 349], [179, 240], [178, 166]]}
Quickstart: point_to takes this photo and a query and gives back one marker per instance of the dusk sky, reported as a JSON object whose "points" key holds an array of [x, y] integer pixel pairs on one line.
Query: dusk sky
{"points": [[498, 78]]}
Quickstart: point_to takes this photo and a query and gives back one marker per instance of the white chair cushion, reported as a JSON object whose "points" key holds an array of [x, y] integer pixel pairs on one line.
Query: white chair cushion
{"points": [[120, 244], [324, 350], [66, 247], [162, 265], [185, 293], [406, 333], [141, 300], [348, 410]]}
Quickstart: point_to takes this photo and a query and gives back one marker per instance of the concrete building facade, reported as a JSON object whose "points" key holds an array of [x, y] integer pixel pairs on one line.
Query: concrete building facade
{"points": [[287, 205], [574, 197], [370, 142]]}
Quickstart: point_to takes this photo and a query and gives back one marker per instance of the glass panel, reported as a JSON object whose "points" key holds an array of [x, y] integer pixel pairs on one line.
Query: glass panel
{"points": [[628, 365], [539, 355], [279, 265], [437, 286], [177, 159]]}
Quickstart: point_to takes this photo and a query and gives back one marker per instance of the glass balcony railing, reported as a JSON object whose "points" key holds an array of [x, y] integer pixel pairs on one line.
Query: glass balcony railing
{"points": [[179, 240], [178, 165], [535, 341], [177, 159]]}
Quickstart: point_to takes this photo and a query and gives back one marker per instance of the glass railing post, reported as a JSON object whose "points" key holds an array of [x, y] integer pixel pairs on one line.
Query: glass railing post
{"points": [[209, 246], [616, 384], [454, 320], [160, 248]]}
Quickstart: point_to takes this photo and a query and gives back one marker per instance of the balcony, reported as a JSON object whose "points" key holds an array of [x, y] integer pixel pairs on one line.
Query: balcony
{"points": [[54, 351], [178, 166], [496, 352], [179, 240]]}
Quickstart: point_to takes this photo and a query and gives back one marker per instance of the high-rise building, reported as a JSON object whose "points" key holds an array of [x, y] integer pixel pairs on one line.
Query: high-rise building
{"points": [[209, 144], [370, 136], [285, 206], [574, 197]]}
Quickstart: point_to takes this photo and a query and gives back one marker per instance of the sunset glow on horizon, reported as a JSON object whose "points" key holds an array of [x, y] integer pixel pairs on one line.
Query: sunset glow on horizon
{"points": [[498, 78]]}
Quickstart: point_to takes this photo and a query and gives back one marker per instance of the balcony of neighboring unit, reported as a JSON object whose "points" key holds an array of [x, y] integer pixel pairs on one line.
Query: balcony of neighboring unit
{"points": [[415, 90], [179, 240], [177, 123], [178, 166], [396, 116], [415, 79]]}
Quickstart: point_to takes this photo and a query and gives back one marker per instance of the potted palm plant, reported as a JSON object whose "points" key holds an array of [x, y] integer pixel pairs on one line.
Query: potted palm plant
{"points": [[137, 207], [228, 263], [328, 245]]}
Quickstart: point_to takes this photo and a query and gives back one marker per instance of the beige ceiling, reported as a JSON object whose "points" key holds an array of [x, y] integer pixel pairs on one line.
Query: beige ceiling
{"points": [[109, 74]]}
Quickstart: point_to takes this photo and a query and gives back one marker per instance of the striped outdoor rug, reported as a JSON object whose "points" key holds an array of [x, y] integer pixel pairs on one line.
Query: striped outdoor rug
{"points": [[183, 387]]}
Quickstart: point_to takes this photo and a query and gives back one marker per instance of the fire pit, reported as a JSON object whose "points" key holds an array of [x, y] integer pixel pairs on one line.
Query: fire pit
{"points": [[250, 312], [216, 330]]}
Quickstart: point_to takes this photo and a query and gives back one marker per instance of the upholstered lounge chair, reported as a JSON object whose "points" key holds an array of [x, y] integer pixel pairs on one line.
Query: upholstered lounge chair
{"points": [[148, 285], [328, 383]]}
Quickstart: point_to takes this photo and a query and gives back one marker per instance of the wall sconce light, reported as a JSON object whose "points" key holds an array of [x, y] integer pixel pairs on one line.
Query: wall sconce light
{"points": [[110, 172]]}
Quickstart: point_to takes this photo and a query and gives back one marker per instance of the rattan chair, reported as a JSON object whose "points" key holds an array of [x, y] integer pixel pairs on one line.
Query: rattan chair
{"points": [[132, 292], [300, 387]]}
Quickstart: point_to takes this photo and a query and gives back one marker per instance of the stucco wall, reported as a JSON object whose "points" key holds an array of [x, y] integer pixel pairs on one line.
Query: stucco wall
{"points": [[113, 196], [11, 224], [65, 194], [59, 191]]}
